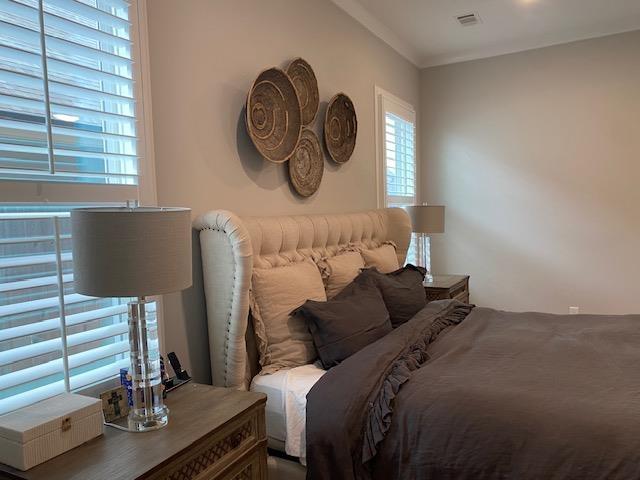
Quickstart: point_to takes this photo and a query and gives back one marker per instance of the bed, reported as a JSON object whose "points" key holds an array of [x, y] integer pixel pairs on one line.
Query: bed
{"points": [[231, 247], [456, 392]]}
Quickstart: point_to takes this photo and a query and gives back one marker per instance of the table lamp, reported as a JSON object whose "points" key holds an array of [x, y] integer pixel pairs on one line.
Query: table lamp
{"points": [[425, 220], [135, 252]]}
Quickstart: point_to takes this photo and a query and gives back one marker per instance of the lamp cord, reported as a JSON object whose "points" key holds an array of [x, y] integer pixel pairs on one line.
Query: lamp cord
{"points": [[120, 427]]}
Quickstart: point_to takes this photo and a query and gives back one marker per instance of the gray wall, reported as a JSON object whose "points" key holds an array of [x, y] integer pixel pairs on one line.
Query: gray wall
{"points": [[537, 157], [204, 57]]}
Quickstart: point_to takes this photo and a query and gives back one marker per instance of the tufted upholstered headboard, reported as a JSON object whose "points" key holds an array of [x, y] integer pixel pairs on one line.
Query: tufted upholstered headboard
{"points": [[232, 247]]}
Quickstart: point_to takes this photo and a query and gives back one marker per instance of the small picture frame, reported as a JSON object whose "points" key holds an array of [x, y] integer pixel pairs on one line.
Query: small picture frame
{"points": [[115, 404]]}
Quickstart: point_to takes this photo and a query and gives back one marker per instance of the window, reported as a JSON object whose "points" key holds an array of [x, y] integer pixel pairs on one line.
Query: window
{"points": [[397, 165], [70, 134], [68, 115]]}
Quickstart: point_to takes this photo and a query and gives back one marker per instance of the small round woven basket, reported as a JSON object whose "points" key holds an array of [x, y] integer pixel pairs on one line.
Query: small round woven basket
{"points": [[340, 128], [306, 84], [306, 165], [273, 117]]}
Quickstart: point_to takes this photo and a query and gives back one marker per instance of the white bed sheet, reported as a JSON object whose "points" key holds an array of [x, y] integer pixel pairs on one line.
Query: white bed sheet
{"points": [[286, 407]]}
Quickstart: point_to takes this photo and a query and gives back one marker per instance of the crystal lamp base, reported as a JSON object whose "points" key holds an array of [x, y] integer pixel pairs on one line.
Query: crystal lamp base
{"points": [[154, 421], [425, 258], [148, 411]]}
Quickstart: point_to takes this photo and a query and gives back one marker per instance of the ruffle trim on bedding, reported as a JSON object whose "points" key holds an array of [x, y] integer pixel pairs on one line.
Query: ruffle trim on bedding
{"points": [[259, 331], [381, 408]]}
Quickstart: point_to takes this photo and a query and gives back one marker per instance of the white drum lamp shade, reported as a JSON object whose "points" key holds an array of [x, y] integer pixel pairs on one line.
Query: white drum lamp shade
{"points": [[127, 252], [426, 218]]}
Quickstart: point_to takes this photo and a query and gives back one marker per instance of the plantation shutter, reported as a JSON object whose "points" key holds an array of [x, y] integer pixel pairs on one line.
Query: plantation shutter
{"points": [[400, 162], [67, 115]]}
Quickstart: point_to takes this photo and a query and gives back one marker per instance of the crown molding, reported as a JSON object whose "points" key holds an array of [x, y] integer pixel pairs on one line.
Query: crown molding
{"points": [[440, 60], [356, 10]]}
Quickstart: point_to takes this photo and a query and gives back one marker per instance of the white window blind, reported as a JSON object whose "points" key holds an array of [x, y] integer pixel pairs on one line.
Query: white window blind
{"points": [[400, 161], [38, 304], [67, 106], [67, 116], [398, 157]]}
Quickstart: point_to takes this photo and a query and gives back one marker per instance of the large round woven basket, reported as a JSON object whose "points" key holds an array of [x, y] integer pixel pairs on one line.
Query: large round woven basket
{"points": [[306, 84], [340, 128], [274, 118], [306, 165]]}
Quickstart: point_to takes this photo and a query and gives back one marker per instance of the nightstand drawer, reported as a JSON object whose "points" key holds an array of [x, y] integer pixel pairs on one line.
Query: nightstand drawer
{"points": [[254, 467], [460, 290], [463, 297], [208, 457], [433, 295]]}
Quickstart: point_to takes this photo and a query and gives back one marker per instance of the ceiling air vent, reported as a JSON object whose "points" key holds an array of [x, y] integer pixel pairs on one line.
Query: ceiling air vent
{"points": [[469, 19]]}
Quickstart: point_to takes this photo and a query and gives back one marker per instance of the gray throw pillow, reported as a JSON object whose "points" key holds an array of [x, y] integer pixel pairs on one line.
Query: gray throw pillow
{"points": [[402, 291], [346, 323]]}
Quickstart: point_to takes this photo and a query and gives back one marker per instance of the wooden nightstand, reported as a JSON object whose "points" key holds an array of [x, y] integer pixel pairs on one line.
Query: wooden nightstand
{"points": [[445, 287], [213, 433]]}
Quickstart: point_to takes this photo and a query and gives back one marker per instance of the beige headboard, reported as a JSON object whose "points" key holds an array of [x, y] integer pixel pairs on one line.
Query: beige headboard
{"points": [[232, 247]]}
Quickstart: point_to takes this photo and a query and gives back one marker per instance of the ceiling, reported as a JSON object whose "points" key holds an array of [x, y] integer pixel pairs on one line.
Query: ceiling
{"points": [[427, 33]]}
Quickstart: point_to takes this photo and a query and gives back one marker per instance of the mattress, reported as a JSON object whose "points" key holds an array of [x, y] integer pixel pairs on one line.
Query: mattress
{"points": [[286, 407]]}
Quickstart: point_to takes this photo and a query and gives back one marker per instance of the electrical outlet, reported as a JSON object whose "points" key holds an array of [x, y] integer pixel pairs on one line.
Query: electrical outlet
{"points": [[574, 310]]}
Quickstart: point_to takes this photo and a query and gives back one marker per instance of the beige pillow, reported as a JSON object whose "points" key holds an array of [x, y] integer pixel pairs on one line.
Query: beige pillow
{"points": [[339, 271], [284, 341], [383, 258]]}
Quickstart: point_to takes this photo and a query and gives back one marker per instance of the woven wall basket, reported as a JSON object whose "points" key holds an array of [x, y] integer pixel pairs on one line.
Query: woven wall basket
{"points": [[340, 128], [304, 80], [306, 165], [274, 118]]}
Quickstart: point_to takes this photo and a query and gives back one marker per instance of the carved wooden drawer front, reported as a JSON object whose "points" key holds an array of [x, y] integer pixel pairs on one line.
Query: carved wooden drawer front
{"points": [[459, 290], [253, 468], [463, 297], [437, 295], [206, 459]]}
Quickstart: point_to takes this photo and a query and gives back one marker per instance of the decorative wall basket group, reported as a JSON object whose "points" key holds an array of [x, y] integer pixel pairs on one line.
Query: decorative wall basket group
{"points": [[281, 107]]}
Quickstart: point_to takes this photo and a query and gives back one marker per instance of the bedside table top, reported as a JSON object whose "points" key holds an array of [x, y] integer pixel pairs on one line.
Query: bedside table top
{"points": [[194, 412], [446, 281]]}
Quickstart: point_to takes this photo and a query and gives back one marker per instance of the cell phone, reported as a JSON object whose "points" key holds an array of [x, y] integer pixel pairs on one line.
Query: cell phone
{"points": [[177, 367]]}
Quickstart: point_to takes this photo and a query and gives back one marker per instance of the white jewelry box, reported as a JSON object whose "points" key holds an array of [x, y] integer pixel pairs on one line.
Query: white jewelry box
{"points": [[39, 432]]}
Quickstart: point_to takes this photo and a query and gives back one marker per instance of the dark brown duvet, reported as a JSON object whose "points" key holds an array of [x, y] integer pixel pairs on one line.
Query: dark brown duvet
{"points": [[461, 393]]}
